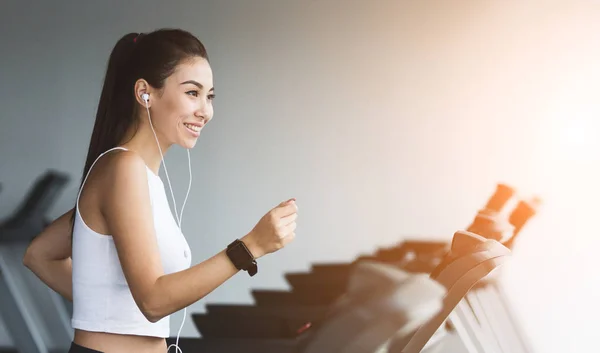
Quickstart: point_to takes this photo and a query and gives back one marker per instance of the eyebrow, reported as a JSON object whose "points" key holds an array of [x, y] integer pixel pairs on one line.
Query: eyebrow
{"points": [[196, 83]]}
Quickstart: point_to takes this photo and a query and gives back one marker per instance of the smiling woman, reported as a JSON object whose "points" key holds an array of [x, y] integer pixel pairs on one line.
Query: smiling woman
{"points": [[125, 262]]}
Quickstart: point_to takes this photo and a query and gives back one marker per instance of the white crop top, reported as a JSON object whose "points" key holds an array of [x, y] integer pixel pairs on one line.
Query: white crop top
{"points": [[102, 301]]}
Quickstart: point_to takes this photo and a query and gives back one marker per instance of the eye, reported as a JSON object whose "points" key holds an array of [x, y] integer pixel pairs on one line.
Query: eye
{"points": [[193, 93], [211, 96]]}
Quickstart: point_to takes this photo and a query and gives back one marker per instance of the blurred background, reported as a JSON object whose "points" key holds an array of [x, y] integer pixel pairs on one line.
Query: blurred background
{"points": [[385, 119]]}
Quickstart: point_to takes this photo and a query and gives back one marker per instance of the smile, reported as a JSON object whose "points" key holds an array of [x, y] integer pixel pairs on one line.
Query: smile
{"points": [[192, 127]]}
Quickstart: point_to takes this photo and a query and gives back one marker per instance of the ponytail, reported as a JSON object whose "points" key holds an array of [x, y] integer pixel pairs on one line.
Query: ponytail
{"points": [[115, 111]]}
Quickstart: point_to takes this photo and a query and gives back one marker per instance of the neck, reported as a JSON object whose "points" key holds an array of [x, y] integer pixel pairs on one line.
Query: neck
{"points": [[144, 143]]}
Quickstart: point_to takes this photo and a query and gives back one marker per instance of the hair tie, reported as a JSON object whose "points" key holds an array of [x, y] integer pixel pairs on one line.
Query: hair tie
{"points": [[136, 38]]}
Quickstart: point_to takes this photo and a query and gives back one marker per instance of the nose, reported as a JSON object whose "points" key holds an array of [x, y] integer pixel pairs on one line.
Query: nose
{"points": [[203, 118], [203, 112]]}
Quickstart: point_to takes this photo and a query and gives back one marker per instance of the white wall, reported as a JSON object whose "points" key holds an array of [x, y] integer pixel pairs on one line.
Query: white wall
{"points": [[384, 118]]}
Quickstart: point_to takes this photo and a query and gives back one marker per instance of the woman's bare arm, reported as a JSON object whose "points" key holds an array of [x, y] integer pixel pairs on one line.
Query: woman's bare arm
{"points": [[127, 211], [49, 256]]}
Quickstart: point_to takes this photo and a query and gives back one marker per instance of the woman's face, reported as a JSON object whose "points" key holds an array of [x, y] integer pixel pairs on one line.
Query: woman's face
{"points": [[185, 106]]}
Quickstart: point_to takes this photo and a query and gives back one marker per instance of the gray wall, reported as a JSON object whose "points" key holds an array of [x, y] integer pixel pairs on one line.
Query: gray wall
{"points": [[385, 119]]}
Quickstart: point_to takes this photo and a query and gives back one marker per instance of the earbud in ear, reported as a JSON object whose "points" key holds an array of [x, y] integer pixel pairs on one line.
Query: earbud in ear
{"points": [[145, 97]]}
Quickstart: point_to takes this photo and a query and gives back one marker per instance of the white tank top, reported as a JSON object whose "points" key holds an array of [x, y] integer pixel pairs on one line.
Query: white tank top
{"points": [[102, 301]]}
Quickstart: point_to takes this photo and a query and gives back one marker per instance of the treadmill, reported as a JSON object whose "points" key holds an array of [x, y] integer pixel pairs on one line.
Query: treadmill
{"points": [[471, 259], [487, 312], [277, 316], [35, 316], [362, 319]]}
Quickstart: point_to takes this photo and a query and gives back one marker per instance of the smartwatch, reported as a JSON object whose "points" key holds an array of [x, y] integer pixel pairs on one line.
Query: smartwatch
{"points": [[241, 257]]}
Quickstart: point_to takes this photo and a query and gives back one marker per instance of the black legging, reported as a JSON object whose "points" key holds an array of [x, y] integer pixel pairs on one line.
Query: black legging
{"points": [[75, 348]]}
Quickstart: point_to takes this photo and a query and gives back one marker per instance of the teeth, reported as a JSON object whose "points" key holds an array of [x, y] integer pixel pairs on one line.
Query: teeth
{"points": [[192, 127]]}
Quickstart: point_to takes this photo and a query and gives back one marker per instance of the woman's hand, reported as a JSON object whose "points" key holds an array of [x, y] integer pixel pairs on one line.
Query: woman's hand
{"points": [[274, 230]]}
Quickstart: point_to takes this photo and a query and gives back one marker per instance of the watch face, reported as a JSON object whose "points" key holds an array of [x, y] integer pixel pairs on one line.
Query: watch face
{"points": [[239, 255], [238, 252]]}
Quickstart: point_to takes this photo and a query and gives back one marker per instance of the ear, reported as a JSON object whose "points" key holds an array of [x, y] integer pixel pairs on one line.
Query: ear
{"points": [[142, 87]]}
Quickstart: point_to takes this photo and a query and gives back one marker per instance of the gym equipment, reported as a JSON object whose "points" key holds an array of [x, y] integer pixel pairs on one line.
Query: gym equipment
{"points": [[495, 322], [5, 349], [470, 259], [313, 292], [35, 316], [483, 319], [476, 255]]}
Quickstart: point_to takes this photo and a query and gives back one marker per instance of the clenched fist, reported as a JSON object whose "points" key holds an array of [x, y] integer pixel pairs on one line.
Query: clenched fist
{"points": [[274, 230]]}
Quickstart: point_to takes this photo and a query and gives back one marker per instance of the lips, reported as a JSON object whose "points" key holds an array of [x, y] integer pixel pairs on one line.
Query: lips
{"points": [[193, 127]]}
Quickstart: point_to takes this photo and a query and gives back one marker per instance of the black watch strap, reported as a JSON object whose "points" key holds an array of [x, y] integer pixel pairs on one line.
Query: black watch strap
{"points": [[241, 257]]}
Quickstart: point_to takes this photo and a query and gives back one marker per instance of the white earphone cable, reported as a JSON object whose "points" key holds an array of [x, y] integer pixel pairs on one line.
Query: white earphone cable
{"points": [[163, 162], [189, 187], [179, 218]]}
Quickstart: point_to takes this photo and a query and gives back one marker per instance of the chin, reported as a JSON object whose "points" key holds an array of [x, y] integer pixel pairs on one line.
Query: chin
{"points": [[188, 144]]}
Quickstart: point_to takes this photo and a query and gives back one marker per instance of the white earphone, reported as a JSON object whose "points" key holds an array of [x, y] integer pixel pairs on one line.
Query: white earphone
{"points": [[146, 97]]}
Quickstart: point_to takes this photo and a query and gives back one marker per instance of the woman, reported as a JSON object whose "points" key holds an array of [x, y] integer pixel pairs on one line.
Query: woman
{"points": [[119, 254]]}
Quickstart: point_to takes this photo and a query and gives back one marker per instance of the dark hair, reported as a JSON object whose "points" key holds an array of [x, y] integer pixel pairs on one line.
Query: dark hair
{"points": [[154, 57]]}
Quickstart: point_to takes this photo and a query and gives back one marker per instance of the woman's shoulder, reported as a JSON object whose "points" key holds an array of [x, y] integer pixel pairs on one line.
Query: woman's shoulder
{"points": [[123, 172], [116, 179], [126, 164]]}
